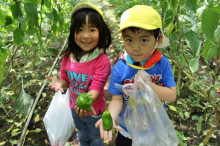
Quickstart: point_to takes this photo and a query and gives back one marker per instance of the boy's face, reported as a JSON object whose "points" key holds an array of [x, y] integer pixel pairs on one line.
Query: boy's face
{"points": [[139, 45]]}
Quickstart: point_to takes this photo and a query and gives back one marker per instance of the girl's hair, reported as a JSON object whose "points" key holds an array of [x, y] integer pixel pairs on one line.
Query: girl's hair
{"points": [[78, 19], [155, 32]]}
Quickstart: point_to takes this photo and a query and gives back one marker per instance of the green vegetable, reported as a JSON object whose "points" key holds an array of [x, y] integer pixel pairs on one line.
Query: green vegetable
{"points": [[84, 101], [107, 121]]}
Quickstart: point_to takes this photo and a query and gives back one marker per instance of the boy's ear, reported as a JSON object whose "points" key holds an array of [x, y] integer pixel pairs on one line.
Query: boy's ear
{"points": [[160, 39], [122, 35]]}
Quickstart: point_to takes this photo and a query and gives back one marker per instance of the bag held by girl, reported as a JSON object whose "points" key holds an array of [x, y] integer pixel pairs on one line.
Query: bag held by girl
{"points": [[145, 117], [58, 119]]}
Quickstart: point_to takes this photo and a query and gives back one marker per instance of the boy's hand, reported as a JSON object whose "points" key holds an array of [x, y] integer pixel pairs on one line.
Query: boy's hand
{"points": [[55, 84], [106, 135]]}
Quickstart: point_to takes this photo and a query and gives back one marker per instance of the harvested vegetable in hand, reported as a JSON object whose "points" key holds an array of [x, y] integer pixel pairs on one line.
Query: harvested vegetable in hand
{"points": [[84, 101], [107, 121]]}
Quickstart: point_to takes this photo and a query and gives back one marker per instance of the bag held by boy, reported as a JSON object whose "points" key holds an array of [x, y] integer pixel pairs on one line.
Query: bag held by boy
{"points": [[145, 117]]}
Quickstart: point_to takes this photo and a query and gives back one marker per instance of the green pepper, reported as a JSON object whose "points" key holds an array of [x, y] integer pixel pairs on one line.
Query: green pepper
{"points": [[107, 121], [84, 101]]}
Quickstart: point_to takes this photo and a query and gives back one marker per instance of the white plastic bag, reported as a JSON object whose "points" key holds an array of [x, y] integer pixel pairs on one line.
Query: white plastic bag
{"points": [[145, 117], [58, 119]]}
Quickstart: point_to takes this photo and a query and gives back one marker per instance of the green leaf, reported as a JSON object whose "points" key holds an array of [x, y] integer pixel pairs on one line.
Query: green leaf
{"points": [[8, 20], [192, 5], [24, 103], [210, 50], [182, 61], [2, 17], [169, 29], [16, 10], [2, 73], [194, 64], [209, 23], [168, 17], [173, 108], [18, 36], [187, 115], [216, 9], [181, 115], [172, 3], [195, 117], [47, 3], [32, 14], [193, 42], [50, 16], [199, 124]]}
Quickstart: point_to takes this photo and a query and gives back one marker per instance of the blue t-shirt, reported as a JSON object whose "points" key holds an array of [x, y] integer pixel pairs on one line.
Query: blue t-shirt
{"points": [[122, 73]]}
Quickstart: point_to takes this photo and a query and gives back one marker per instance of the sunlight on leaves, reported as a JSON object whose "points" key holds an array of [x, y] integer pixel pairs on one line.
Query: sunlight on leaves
{"points": [[173, 108], [3, 142], [10, 128], [37, 118], [194, 64]]}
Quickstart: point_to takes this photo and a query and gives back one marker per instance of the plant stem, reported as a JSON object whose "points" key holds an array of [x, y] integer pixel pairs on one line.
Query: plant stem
{"points": [[213, 125], [216, 118]]}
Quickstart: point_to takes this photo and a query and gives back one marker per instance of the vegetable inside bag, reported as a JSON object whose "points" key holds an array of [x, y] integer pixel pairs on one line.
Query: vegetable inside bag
{"points": [[58, 119], [145, 117]]}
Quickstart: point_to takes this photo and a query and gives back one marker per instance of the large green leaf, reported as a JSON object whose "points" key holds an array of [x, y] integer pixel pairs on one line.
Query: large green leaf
{"points": [[210, 50], [216, 9], [209, 23], [8, 20], [24, 103], [172, 4], [18, 36], [194, 64], [32, 14], [2, 17], [193, 42], [192, 4], [168, 17], [16, 10]]}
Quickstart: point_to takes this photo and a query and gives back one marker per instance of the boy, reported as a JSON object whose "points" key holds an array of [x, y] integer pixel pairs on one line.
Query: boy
{"points": [[141, 28]]}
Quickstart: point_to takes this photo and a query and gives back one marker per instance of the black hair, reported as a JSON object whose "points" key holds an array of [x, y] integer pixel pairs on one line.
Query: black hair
{"points": [[155, 32], [78, 19]]}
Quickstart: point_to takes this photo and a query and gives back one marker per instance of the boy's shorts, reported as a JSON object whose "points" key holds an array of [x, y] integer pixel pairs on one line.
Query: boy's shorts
{"points": [[122, 141]]}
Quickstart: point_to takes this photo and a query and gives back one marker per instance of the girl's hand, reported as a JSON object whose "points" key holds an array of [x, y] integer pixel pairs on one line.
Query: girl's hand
{"points": [[83, 113], [106, 135], [55, 84]]}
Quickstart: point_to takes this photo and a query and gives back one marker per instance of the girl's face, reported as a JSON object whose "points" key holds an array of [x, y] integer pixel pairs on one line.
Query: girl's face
{"points": [[88, 37], [139, 45]]}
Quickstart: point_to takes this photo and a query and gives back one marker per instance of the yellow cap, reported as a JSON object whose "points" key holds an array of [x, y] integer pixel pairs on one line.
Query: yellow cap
{"points": [[83, 5], [145, 17]]}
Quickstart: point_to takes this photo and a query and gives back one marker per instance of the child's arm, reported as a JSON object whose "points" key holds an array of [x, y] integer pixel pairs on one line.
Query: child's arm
{"points": [[57, 84], [114, 108], [164, 93]]}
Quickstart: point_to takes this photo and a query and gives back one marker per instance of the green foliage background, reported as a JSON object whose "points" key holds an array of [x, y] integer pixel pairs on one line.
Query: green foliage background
{"points": [[29, 29]]}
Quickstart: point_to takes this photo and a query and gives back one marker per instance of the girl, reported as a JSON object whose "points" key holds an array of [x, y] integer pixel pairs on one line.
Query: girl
{"points": [[85, 68]]}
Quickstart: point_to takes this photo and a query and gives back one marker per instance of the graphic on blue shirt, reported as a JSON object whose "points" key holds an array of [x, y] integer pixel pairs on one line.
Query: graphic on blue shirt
{"points": [[78, 81]]}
